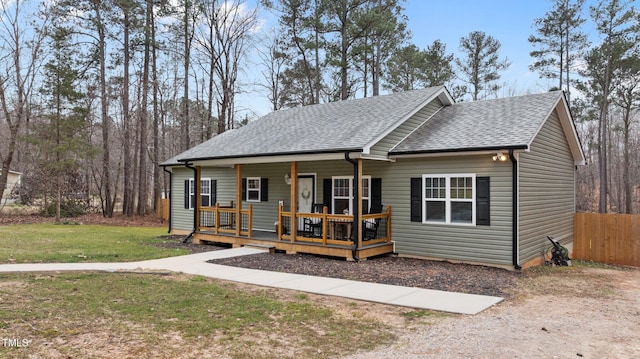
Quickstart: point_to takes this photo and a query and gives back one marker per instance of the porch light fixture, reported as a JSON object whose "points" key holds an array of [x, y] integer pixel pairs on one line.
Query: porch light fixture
{"points": [[287, 179], [500, 157]]}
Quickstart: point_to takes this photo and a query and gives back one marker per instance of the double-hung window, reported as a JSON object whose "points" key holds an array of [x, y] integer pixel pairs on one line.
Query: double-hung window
{"points": [[207, 193], [253, 189], [449, 199], [343, 194]]}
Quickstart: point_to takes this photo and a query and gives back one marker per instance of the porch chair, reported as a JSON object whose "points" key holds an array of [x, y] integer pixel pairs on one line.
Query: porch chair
{"points": [[370, 226], [313, 226]]}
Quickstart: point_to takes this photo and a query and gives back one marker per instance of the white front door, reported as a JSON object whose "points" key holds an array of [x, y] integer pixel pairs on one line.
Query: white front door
{"points": [[306, 196], [306, 193]]}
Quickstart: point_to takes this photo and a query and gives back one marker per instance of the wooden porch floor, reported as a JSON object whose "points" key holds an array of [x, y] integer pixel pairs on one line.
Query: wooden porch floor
{"points": [[270, 240]]}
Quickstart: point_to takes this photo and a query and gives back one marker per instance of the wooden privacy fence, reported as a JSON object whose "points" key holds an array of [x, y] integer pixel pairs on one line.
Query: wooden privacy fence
{"points": [[607, 238], [162, 209]]}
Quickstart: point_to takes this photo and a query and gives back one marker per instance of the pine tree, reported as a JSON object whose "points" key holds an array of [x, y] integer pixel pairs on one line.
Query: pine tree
{"points": [[482, 65], [67, 120], [560, 42]]}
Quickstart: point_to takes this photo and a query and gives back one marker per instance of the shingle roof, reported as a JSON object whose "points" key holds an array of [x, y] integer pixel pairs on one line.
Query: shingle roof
{"points": [[351, 125], [335, 126], [502, 123]]}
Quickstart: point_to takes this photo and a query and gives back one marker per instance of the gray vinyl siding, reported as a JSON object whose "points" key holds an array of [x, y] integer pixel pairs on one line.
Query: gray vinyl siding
{"points": [[483, 244], [547, 197], [264, 213], [181, 218], [396, 136]]}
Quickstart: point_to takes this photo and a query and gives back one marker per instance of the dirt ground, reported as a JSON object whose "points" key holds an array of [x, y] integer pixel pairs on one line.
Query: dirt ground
{"points": [[588, 312]]}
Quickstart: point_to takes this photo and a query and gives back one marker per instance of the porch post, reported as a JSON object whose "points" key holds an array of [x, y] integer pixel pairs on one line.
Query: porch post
{"points": [[238, 199], [358, 220], [294, 201]]}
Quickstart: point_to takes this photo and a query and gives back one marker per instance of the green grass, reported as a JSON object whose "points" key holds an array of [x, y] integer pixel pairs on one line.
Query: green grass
{"points": [[148, 308], [55, 243]]}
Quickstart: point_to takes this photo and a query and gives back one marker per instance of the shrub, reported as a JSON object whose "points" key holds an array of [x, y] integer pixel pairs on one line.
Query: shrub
{"points": [[68, 208]]}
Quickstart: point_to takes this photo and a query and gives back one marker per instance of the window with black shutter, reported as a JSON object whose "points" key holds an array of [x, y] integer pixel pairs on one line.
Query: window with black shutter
{"points": [[450, 199], [255, 189]]}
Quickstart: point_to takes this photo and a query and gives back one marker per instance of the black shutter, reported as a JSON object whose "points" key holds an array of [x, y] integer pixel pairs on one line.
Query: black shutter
{"points": [[244, 189], [376, 193], [264, 189], [186, 194], [483, 213], [214, 192], [327, 186], [416, 199]]}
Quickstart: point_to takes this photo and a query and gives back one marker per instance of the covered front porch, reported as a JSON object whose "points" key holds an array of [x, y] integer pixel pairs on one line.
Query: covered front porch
{"points": [[353, 234]]}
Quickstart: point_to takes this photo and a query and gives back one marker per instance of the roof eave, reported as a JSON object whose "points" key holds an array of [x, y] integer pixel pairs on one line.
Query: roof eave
{"points": [[272, 157], [457, 151]]}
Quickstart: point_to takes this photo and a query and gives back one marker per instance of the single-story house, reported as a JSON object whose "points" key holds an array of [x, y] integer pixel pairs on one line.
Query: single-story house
{"points": [[13, 180], [411, 173]]}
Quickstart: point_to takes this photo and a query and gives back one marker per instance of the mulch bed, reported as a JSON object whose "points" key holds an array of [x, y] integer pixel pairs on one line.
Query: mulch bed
{"points": [[392, 270]]}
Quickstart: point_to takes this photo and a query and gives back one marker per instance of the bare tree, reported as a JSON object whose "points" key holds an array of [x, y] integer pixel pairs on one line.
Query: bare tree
{"points": [[302, 26], [273, 59], [20, 50], [628, 99], [126, 7], [142, 149], [226, 37], [615, 21]]}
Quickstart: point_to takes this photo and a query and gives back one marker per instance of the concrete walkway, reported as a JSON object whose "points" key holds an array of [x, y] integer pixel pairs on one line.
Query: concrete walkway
{"points": [[197, 264]]}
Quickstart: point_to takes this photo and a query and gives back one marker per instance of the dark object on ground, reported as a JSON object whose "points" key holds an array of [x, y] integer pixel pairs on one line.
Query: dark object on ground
{"points": [[559, 253]]}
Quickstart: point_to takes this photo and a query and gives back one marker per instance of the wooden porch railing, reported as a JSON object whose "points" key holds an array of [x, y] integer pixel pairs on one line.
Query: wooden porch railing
{"points": [[333, 229], [382, 223], [223, 219]]}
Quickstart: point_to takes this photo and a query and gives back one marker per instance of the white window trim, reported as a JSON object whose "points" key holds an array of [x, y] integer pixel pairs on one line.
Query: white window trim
{"points": [[366, 196], [259, 189], [448, 199], [192, 190]]}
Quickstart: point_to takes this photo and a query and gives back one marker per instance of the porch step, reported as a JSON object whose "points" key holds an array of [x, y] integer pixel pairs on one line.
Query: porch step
{"points": [[268, 247]]}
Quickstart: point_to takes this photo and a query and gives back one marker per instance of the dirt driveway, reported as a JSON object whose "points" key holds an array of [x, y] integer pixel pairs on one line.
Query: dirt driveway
{"points": [[585, 312]]}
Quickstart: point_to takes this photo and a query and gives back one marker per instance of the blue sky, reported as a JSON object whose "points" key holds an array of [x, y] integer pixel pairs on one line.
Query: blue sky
{"points": [[509, 21]]}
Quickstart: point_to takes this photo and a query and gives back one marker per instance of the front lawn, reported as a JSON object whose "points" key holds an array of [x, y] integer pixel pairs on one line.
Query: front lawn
{"points": [[57, 243], [86, 315]]}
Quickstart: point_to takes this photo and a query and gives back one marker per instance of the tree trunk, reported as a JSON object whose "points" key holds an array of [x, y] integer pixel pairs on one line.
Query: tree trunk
{"points": [[626, 176], [142, 169], [156, 116], [128, 197], [108, 204], [187, 54]]}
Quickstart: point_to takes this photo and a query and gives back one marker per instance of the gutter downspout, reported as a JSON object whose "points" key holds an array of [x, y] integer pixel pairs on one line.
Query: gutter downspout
{"points": [[514, 210], [164, 168], [195, 175], [354, 229]]}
